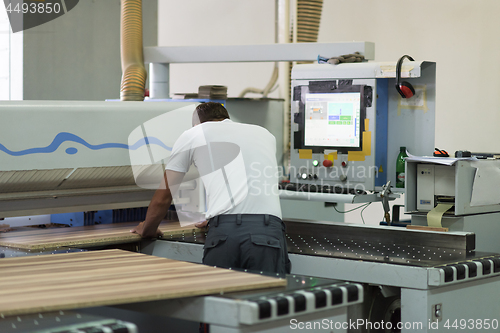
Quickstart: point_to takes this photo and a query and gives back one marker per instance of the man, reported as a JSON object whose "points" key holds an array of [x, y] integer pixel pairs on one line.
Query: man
{"points": [[237, 164]]}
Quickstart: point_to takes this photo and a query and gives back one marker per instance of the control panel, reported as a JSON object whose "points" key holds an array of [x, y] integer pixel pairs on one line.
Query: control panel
{"points": [[333, 133]]}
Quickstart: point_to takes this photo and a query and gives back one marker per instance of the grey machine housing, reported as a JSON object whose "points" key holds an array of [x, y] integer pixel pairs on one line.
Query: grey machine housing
{"points": [[391, 122]]}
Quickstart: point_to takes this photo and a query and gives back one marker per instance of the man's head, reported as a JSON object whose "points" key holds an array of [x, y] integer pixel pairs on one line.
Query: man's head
{"points": [[209, 111]]}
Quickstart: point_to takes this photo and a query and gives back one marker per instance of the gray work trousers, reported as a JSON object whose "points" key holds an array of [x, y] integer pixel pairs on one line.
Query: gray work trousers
{"points": [[255, 242]]}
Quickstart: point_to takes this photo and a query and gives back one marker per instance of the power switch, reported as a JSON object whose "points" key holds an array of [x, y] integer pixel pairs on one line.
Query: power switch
{"points": [[327, 163]]}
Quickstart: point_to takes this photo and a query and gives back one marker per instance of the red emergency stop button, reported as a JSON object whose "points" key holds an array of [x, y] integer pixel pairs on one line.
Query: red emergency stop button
{"points": [[327, 163]]}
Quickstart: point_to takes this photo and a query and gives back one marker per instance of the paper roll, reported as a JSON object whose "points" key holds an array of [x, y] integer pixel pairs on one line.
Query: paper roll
{"points": [[435, 215]]}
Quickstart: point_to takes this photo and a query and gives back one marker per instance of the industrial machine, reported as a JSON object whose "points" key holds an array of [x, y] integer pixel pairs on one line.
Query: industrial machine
{"points": [[349, 122], [459, 194], [415, 279], [66, 168], [307, 303], [74, 156], [347, 126]]}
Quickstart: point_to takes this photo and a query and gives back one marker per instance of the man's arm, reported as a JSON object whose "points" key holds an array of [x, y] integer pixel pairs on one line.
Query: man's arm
{"points": [[159, 205], [4, 227]]}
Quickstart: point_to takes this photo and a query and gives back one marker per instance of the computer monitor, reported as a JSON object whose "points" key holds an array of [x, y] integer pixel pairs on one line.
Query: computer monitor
{"points": [[334, 120]]}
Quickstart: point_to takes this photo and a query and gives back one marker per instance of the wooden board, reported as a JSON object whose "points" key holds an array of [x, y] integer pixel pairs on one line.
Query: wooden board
{"points": [[426, 228], [39, 239], [97, 278]]}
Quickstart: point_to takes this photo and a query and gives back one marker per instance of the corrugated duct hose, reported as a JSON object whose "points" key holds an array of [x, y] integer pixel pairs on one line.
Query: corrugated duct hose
{"points": [[308, 20], [134, 73]]}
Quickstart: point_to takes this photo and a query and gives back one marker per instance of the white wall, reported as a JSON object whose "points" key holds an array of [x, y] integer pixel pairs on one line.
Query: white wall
{"points": [[217, 22], [460, 35], [11, 58], [77, 55]]}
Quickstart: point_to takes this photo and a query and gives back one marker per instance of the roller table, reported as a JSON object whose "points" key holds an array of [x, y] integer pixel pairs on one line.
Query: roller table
{"points": [[431, 274], [305, 301]]}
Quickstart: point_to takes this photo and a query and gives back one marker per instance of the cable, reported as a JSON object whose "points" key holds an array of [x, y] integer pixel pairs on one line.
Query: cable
{"points": [[348, 211], [267, 89], [274, 88], [362, 219]]}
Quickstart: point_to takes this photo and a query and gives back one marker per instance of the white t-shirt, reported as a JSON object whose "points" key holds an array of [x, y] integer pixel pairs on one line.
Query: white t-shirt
{"points": [[237, 164]]}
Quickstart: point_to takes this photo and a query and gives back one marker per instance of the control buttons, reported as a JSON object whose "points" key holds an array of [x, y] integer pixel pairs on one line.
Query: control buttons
{"points": [[327, 163], [343, 178], [315, 163], [306, 175], [437, 313], [344, 164]]}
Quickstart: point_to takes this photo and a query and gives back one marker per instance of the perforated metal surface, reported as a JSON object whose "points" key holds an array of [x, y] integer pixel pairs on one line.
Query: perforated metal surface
{"points": [[9, 252], [379, 244], [374, 251], [360, 244]]}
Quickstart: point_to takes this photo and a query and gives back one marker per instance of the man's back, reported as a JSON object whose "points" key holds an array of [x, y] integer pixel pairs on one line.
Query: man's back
{"points": [[237, 164]]}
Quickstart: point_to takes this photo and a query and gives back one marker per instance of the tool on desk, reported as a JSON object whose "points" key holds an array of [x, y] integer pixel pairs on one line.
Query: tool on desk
{"points": [[483, 156], [440, 153], [462, 153], [354, 57], [386, 190]]}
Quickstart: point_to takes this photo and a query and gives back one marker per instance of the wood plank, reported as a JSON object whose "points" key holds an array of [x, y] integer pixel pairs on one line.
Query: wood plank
{"points": [[43, 239], [426, 228], [99, 278]]}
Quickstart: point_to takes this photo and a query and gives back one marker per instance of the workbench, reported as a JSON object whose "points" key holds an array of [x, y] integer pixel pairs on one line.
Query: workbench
{"points": [[41, 275], [37, 239], [431, 274]]}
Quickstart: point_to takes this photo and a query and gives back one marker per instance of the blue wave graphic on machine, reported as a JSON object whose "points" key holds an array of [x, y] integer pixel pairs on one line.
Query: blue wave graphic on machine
{"points": [[64, 136]]}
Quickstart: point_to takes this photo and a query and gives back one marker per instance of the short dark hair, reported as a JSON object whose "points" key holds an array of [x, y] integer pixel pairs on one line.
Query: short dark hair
{"points": [[211, 111]]}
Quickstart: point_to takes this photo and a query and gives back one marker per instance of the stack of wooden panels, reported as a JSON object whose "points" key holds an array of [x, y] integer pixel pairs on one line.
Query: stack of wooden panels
{"points": [[109, 277], [38, 239]]}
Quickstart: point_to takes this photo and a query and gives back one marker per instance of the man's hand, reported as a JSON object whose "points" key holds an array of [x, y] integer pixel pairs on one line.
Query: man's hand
{"points": [[4, 227], [201, 224], [144, 234]]}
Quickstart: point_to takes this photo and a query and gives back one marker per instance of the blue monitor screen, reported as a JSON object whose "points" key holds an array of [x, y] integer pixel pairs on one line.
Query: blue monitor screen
{"points": [[333, 120]]}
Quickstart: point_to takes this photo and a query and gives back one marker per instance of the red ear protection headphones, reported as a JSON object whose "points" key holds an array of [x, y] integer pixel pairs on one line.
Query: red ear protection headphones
{"points": [[404, 88]]}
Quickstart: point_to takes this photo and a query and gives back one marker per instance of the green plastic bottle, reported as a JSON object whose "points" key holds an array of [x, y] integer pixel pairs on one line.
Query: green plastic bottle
{"points": [[400, 168]]}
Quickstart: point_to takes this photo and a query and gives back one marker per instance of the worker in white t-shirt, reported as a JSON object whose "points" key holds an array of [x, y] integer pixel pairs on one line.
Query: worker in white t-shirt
{"points": [[237, 164]]}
